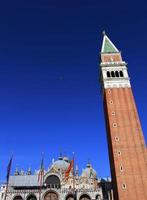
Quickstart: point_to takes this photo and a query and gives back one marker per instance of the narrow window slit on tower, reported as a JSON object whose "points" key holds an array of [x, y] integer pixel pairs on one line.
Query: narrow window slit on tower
{"points": [[124, 186], [114, 125], [121, 168], [109, 91], [117, 138], [111, 102], [113, 113]]}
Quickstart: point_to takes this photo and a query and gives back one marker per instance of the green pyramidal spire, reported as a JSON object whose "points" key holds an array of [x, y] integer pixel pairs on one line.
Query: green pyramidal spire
{"points": [[108, 46]]}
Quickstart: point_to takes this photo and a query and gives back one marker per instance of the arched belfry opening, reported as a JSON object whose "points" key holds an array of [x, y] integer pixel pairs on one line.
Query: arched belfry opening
{"points": [[108, 74], [112, 74], [116, 74], [52, 181], [121, 74]]}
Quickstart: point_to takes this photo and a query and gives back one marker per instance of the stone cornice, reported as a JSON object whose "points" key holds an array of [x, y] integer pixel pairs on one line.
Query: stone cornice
{"points": [[113, 64]]}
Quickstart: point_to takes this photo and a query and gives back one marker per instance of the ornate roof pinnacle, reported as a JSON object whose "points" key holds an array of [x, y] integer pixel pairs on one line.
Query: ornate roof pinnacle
{"points": [[88, 164], [60, 156]]}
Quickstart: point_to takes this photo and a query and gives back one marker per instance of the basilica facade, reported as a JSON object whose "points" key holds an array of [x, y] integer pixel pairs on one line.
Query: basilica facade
{"points": [[84, 186]]}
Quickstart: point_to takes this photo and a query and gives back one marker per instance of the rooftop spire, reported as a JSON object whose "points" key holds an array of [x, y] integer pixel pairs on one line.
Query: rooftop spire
{"points": [[60, 156], [108, 46], [104, 33]]}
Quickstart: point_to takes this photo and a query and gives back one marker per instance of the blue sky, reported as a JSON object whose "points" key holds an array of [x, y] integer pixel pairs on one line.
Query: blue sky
{"points": [[50, 98]]}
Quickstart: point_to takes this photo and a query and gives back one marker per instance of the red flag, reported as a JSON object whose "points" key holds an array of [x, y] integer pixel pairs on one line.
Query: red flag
{"points": [[41, 172], [71, 166]]}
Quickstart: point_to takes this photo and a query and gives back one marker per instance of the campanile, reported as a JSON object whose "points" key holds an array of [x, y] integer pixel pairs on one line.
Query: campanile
{"points": [[127, 150]]}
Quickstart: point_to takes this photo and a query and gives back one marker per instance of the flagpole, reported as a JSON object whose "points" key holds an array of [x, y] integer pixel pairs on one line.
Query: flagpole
{"points": [[73, 170], [40, 176], [74, 188], [8, 175]]}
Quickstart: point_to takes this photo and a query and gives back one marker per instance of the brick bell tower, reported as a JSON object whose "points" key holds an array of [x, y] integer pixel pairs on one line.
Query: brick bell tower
{"points": [[127, 150]]}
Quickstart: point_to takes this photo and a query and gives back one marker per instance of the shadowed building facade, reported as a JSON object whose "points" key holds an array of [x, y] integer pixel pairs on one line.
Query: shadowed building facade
{"points": [[127, 150]]}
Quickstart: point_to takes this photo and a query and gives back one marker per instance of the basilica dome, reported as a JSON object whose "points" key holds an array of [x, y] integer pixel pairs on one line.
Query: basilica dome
{"points": [[61, 164], [89, 172]]}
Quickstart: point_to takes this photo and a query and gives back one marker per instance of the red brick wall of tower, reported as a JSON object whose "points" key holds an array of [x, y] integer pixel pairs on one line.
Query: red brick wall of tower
{"points": [[127, 150]]}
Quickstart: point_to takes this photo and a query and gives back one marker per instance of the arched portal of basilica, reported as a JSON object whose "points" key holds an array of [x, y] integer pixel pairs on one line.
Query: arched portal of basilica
{"points": [[31, 197], [18, 198], [51, 196], [85, 197], [70, 197]]}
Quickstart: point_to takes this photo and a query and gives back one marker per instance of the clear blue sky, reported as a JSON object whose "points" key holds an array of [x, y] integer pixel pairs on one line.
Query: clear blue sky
{"points": [[49, 79]]}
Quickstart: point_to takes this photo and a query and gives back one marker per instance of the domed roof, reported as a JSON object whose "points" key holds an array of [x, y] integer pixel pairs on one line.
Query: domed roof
{"points": [[61, 164], [89, 172]]}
